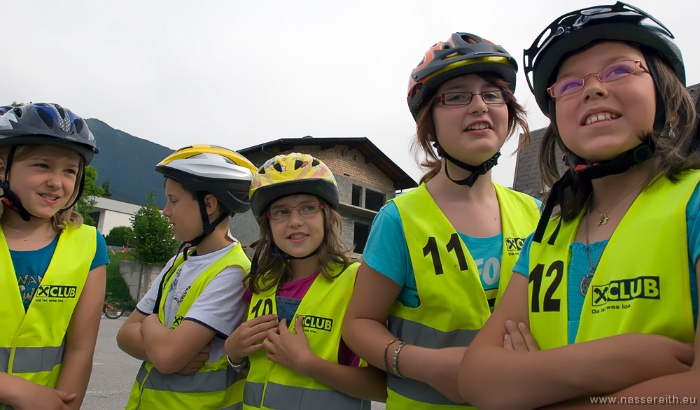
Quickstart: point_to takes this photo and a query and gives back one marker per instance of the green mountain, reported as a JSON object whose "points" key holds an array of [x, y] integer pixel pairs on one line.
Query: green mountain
{"points": [[128, 163]]}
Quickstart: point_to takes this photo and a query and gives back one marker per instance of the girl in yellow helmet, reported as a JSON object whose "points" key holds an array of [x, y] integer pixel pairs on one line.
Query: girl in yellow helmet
{"points": [[300, 284]]}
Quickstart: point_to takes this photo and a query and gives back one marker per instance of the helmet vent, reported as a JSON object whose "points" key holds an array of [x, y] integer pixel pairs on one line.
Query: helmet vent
{"points": [[44, 117], [18, 112], [469, 39], [78, 126], [446, 46]]}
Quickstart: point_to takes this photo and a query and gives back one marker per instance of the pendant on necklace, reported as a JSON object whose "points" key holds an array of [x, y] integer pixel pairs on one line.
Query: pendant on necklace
{"points": [[585, 283], [603, 219]]}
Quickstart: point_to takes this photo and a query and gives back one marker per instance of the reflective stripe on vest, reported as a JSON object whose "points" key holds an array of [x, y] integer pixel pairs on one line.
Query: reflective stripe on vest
{"points": [[641, 284], [32, 342], [37, 359], [223, 387], [453, 304], [202, 382], [424, 336], [272, 386], [281, 397]]}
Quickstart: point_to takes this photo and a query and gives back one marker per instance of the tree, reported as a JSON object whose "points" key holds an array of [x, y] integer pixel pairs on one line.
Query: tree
{"points": [[105, 189], [120, 236], [153, 239], [90, 193]]}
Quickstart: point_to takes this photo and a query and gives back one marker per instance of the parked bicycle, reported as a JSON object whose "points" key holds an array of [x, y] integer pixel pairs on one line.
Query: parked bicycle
{"points": [[114, 308]]}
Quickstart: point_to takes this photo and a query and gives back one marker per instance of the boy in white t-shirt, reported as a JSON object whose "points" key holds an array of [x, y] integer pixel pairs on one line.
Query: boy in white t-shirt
{"points": [[179, 327]]}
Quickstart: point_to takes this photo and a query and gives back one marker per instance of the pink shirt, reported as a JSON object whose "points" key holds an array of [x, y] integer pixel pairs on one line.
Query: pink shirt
{"points": [[297, 290]]}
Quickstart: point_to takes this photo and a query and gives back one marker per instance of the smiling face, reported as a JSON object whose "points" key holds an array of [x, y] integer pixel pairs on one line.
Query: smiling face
{"points": [[44, 179], [299, 235], [603, 120], [471, 133], [182, 211]]}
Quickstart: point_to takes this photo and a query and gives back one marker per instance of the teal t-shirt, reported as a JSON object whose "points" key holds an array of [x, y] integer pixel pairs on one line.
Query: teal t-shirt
{"points": [[386, 252], [30, 266], [579, 264]]}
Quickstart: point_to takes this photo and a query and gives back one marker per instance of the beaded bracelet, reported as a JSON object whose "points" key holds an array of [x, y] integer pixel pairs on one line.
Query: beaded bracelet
{"points": [[386, 349], [394, 361], [238, 367]]}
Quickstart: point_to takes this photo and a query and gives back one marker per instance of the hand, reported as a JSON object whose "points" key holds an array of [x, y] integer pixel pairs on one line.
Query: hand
{"points": [[35, 396], [246, 339], [289, 349], [197, 362], [519, 338]]}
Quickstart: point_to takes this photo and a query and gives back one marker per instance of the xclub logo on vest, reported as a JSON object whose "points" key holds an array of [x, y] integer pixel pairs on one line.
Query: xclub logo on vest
{"points": [[642, 287], [317, 322], [55, 293], [514, 245]]}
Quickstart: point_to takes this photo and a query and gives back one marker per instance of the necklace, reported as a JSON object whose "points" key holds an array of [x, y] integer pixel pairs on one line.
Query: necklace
{"points": [[586, 280], [604, 215]]}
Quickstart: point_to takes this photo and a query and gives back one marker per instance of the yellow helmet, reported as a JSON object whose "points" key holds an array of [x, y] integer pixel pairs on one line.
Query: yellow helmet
{"points": [[291, 174]]}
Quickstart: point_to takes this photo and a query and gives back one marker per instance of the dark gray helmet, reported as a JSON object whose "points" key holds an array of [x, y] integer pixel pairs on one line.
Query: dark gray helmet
{"points": [[577, 29], [46, 123]]}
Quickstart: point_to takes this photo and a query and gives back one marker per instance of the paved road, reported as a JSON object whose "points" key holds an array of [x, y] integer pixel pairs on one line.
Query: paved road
{"points": [[113, 372]]}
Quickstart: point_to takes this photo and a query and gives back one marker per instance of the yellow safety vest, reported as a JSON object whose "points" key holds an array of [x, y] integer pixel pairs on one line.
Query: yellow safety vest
{"points": [[641, 283], [271, 386], [32, 343], [454, 304], [215, 385]]}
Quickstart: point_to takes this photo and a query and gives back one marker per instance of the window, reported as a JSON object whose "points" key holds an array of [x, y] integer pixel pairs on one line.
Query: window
{"points": [[374, 200], [361, 232], [356, 195]]}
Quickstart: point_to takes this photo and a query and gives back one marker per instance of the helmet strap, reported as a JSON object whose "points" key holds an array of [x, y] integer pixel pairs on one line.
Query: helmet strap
{"points": [[207, 227], [585, 173], [476, 171], [9, 198]]}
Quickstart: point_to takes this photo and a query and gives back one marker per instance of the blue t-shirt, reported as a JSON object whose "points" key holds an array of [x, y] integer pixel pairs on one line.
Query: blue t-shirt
{"points": [[386, 252], [579, 264], [30, 266]]}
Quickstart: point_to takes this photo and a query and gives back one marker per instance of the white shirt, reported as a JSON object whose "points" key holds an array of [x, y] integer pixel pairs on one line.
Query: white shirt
{"points": [[220, 307]]}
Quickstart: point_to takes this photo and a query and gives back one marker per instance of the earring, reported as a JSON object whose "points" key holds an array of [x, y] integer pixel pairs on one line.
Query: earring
{"points": [[670, 133]]}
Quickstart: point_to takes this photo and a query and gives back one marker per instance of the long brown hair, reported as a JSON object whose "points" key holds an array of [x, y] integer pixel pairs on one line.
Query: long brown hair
{"points": [[670, 155], [273, 268], [60, 219], [422, 144]]}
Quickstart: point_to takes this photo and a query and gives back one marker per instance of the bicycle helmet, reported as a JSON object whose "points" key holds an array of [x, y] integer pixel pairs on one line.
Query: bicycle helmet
{"points": [[462, 54], [43, 123], [203, 169], [291, 174], [46, 123], [575, 30]]}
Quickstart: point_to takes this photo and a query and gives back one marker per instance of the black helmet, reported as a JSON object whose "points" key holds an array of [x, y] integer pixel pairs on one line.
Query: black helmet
{"points": [[223, 173], [462, 54], [574, 30], [45, 123]]}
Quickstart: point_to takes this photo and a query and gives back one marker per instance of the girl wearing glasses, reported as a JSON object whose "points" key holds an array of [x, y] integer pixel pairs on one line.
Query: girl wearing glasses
{"points": [[608, 285], [438, 257], [300, 284]]}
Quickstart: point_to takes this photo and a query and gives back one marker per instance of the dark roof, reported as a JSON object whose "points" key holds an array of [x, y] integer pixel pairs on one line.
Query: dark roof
{"points": [[527, 174], [363, 145]]}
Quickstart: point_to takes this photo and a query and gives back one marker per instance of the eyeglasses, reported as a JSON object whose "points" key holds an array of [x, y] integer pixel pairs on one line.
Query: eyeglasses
{"points": [[617, 13], [305, 209], [614, 71], [499, 97]]}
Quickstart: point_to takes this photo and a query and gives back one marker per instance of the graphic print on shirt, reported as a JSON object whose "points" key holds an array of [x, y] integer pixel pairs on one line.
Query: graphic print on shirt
{"points": [[28, 285]]}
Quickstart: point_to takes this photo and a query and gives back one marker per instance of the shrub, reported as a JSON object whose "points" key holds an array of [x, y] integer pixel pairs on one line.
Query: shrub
{"points": [[120, 236], [153, 239]]}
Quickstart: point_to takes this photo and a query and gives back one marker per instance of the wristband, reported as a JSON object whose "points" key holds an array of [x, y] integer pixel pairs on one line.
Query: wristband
{"points": [[394, 361], [238, 367], [386, 350]]}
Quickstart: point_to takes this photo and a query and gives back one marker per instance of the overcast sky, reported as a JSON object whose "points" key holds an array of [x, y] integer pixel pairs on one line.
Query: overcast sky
{"points": [[240, 73]]}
